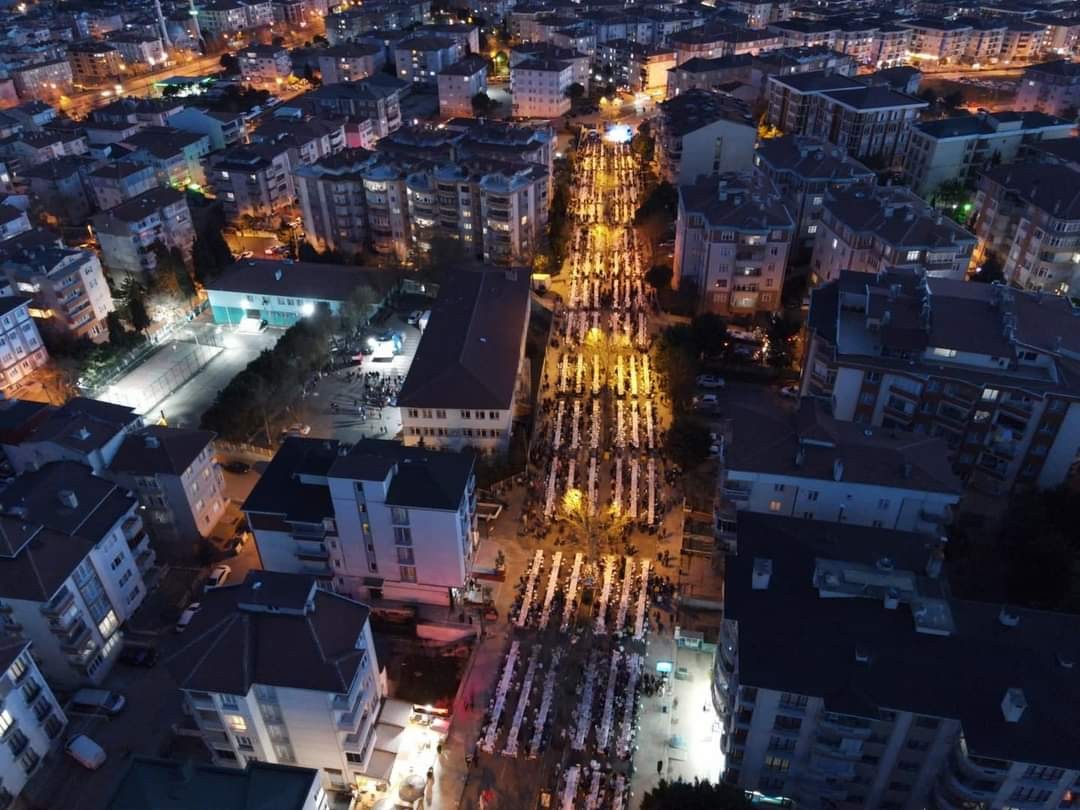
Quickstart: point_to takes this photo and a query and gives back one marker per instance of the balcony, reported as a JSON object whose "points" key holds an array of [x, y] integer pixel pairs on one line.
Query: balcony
{"points": [[60, 602], [76, 639], [139, 542], [968, 789], [846, 727], [131, 527]]}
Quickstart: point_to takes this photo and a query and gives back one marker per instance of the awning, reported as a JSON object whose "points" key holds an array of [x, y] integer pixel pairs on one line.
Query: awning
{"points": [[388, 738], [395, 712], [380, 765]]}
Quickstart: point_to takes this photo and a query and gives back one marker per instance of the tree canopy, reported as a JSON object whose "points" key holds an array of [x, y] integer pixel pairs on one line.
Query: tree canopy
{"points": [[696, 795]]}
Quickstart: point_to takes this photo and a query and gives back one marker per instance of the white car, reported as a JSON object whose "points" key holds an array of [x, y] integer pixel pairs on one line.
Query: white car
{"points": [[86, 752], [790, 392], [706, 401], [297, 429], [217, 577], [710, 381], [186, 617]]}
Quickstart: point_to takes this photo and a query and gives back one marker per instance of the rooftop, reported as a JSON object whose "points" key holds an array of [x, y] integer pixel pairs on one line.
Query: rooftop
{"points": [[694, 109], [157, 450], [811, 158], [309, 280], [419, 477], [894, 215], [964, 126], [164, 784], [235, 641], [84, 425], [917, 657], [740, 201], [1053, 188], [471, 350], [294, 482]]}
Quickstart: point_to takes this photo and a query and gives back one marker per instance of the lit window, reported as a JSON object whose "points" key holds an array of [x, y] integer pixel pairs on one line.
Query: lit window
{"points": [[811, 229], [913, 255], [835, 242], [236, 722], [775, 506], [990, 394]]}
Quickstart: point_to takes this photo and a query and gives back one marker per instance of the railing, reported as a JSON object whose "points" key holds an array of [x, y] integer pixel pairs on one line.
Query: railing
{"points": [[59, 603]]}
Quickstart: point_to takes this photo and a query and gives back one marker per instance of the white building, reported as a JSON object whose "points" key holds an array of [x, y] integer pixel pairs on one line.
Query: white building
{"points": [[538, 88], [1052, 88], [277, 670], [958, 149], [130, 233], [871, 228], [31, 720], [378, 521], [459, 83], [22, 351], [173, 472], [350, 62], [72, 572], [464, 382], [420, 59], [807, 465], [699, 133], [266, 66]]}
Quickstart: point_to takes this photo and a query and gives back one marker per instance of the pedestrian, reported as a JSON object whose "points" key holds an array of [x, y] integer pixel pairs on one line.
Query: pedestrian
{"points": [[659, 766]]}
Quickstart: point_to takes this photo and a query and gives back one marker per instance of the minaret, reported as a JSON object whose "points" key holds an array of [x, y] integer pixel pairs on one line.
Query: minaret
{"points": [[164, 29]]}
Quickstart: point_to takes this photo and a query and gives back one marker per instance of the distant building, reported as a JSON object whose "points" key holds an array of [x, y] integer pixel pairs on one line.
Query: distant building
{"points": [[222, 18], [151, 782], [459, 83], [93, 62], [73, 574], [957, 149], [172, 470], [114, 183], [808, 465], [350, 62], [886, 708], [22, 351], [1052, 88], [315, 707], [139, 49], [699, 133], [380, 520], [130, 234], [62, 187], [462, 387], [538, 88], [377, 97], [732, 238], [804, 169], [176, 156], [45, 81], [223, 129], [253, 180], [873, 228], [978, 365], [865, 121], [936, 40], [1028, 216], [266, 66], [420, 59]]}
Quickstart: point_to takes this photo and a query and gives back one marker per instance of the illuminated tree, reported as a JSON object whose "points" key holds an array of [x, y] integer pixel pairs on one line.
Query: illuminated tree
{"points": [[598, 529]]}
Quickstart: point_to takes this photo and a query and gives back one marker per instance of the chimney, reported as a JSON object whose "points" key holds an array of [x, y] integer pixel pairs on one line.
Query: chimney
{"points": [[67, 498], [1013, 705], [762, 574], [838, 470]]}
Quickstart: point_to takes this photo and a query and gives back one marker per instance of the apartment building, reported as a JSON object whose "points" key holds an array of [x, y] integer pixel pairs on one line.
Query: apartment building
{"points": [[12, 222], [93, 62], [123, 180], [463, 385], [315, 707], [160, 782], [350, 62], [255, 179], [866, 121], [937, 40], [732, 238], [1028, 216], [266, 66], [21, 349], [223, 129], [176, 156], [139, 49], [459, 83], [705, 42], [580, 63], [67, 288], [308, 139], [709, 74], [174, 475], [377, 521], [223, 18], [32, 718], [979, 365], [1024, 41], [73, 569], [801, 33], [420, 59], [377, 97], [806, 464], [538, 88], [872, 228], [43, 81], [1052, 88], [958, 149], [131, 234], [699, 133], [804, 169], [333, 201], [386, 201], [885, 712], [85, 431]]}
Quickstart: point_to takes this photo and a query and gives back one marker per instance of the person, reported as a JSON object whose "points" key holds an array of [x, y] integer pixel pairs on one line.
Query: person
{"points": [[659, 766]]}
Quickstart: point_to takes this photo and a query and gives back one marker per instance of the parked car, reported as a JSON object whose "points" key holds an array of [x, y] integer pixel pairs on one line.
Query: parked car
{"points": [[236, 467], [414, 317], [138, 655], [217, 578], [186, 617], [706, 401], [85, 751], [236, 543], [790, 392], [297, 429], [246, 254], [100, 701], [710, 381]]}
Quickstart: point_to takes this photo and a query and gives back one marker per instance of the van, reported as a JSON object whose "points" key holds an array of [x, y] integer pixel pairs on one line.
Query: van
{"points": [[86, 752], [98, 700]]}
